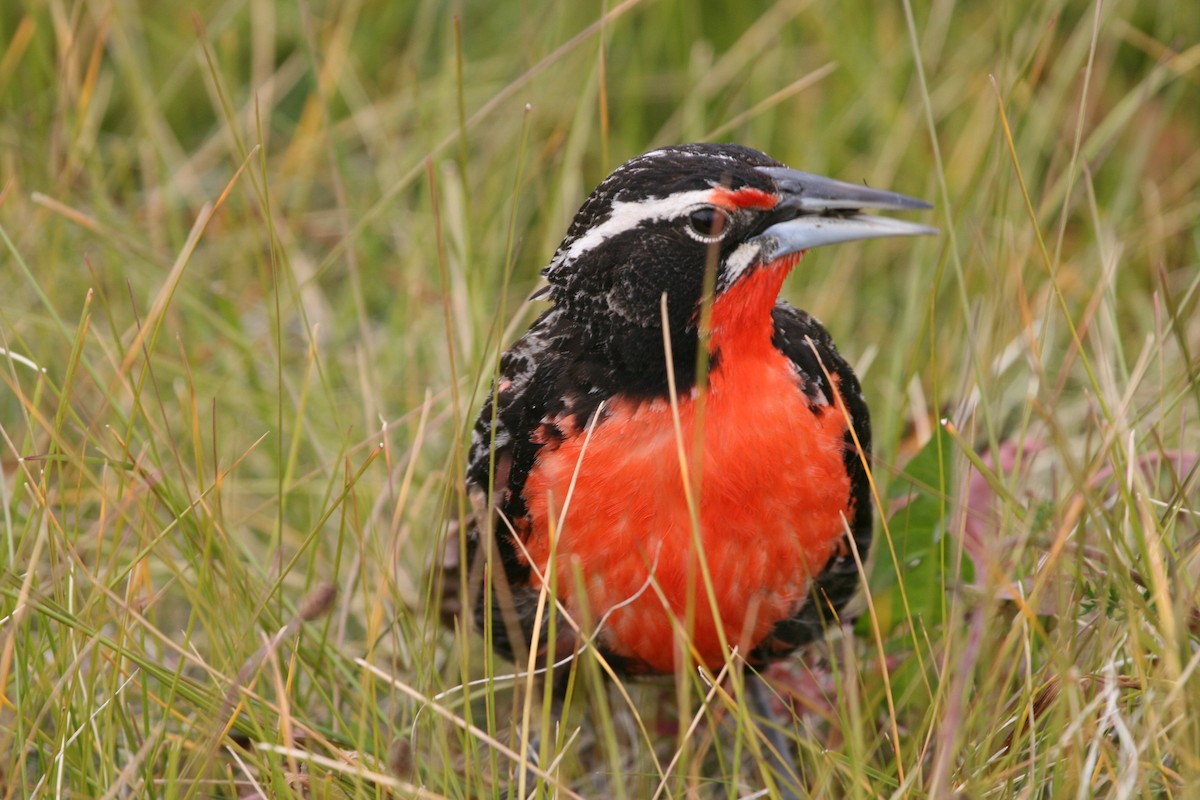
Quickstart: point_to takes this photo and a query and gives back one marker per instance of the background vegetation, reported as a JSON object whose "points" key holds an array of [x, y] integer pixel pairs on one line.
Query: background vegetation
{"points": [[257, 259]]}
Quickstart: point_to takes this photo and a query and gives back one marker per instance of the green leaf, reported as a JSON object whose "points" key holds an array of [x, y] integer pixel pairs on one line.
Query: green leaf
{"points": [[924, 562]]}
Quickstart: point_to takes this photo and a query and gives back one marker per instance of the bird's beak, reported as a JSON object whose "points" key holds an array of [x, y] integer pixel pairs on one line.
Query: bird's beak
{"points": [[816, 211]]}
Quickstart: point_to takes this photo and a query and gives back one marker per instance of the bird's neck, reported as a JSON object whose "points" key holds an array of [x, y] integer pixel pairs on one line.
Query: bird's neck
{"points": [[741, 315]]}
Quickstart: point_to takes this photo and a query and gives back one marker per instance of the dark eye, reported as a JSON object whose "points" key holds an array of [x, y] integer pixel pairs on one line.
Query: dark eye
{"points": [[708, 223]]}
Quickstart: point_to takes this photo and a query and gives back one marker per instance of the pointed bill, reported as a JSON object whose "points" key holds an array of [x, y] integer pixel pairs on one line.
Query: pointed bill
{"points": [[824, 213]]}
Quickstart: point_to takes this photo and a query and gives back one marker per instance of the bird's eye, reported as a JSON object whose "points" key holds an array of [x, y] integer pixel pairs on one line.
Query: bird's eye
{"points": [[707, 223]]}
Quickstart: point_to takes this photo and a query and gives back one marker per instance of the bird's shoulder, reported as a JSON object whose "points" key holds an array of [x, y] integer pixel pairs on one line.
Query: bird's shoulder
{"points": [[546, 384], [815, 359]]}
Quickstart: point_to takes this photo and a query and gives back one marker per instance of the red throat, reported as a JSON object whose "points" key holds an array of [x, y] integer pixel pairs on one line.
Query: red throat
{"points": [[741, 315]]}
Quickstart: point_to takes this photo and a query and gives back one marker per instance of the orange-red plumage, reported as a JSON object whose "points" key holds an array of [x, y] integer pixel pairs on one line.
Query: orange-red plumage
{"points": [[745, 197], [773, 499]]}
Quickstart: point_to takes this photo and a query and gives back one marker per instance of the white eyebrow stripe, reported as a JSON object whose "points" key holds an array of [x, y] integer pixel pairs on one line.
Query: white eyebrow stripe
{"points": [[629, 215]]}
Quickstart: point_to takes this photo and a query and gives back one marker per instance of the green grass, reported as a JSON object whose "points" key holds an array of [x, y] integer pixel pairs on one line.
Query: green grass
{"points": [[257, 260]]}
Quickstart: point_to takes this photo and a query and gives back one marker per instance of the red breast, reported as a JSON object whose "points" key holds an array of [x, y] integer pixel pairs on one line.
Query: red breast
{"points": [[772, 495]]}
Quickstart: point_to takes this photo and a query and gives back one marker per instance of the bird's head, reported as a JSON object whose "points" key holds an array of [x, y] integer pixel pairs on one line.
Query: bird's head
{"points": [[660, 221]]}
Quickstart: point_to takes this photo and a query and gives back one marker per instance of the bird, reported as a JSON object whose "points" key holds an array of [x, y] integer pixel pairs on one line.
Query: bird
{"points": [[672, 457]]}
